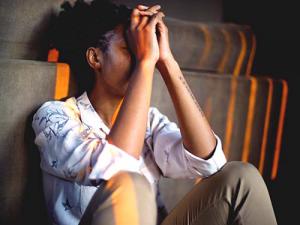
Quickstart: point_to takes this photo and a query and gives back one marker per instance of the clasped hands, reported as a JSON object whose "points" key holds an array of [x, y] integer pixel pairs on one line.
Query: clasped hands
{"points": [[148, 35]]}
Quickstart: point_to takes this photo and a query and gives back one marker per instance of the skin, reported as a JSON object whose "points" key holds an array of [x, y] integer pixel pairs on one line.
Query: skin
{"points": [[126, 86]]}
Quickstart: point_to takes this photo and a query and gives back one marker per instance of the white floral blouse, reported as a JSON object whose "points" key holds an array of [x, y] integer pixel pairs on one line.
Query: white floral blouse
{"points": [[75, 155]]}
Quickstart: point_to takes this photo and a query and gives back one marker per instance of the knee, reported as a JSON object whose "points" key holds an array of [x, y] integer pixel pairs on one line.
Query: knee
{"points": [[241, 169], [124, 181], [237, 172], [126, 194]]}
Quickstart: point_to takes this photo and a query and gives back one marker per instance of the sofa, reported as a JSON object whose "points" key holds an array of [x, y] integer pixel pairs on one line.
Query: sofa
{"points": [[246, 111]]}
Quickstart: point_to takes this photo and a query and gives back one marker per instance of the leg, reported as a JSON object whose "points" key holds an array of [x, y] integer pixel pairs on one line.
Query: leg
{"points": [[235, 195], [127, 198]]}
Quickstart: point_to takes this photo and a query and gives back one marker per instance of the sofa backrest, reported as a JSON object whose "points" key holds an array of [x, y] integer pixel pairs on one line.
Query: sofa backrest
{"points": [[221, 48], [24, 86]]}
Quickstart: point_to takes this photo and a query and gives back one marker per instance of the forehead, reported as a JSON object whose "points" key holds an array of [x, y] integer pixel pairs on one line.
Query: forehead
{"points": [[118, 36]]}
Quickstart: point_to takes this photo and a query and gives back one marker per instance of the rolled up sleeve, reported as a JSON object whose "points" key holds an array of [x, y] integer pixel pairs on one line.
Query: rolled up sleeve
{"points": [[206, 167], [174, 160], [71, 150]]}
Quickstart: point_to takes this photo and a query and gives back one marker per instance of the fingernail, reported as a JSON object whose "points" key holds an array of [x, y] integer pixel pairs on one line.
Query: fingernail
{"points": [[145, 7]]}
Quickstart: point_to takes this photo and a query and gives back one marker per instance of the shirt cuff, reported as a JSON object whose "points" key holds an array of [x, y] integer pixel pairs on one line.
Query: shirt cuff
{"points": [[206, 167], [112, 160]]}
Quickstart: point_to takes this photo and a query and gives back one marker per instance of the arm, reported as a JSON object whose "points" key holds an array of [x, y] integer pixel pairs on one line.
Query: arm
{"points": [[189, 114], [128, 132], [173, 159]]}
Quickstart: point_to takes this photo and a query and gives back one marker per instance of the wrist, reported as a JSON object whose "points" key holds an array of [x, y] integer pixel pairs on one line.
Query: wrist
{"points": [[145, 63], [145, 67], [166, 64]]}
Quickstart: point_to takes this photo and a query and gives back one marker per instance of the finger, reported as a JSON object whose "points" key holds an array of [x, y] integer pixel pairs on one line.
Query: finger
{"points": [[142, 7], [155, 8], [161, 22], [145, 10], [134, 18], [154, 19], [145, 19], [143, 22], [161, 28], [149, 11], [136, 13], [146, 13]]}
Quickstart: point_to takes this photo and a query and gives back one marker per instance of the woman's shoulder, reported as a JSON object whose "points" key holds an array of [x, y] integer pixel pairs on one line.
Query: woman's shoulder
{"points": [[67, 103], [66, 107]]}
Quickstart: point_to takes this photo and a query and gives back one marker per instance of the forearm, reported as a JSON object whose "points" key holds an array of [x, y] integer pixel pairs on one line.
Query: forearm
{"points": [[128, 131], [196, 133]]}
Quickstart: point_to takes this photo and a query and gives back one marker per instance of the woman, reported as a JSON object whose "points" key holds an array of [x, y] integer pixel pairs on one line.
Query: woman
{"points": [[103, 152]]}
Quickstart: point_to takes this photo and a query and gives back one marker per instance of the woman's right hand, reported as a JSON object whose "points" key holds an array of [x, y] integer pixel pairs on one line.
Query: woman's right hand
{"points": [[141, 34]]}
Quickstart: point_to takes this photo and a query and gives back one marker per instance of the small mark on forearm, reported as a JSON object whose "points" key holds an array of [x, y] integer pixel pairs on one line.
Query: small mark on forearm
{"points": [[191, 93]]}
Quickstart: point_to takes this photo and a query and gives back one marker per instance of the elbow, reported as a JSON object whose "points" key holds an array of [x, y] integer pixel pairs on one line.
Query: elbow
{"points": [[126, 147], [203, 150], [210, 151]]}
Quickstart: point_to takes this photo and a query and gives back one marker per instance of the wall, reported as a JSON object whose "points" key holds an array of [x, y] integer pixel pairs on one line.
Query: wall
{"points": [[201, 10], [23, 23]]}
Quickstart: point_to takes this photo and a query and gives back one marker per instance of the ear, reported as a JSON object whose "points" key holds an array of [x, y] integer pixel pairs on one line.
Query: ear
{"points": [[94, 57]]}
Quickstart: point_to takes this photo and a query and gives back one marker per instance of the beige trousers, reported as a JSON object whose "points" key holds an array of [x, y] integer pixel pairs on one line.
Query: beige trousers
{"points": [[235, 195]]}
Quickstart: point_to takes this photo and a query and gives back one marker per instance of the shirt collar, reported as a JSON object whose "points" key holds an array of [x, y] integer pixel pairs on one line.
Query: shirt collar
{"points": [[89, 116]]}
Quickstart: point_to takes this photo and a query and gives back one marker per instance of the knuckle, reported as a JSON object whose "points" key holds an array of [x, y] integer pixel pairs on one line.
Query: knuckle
{"points": [[147, 28], [132, 28], [141, 6], [156, 14], [135, 11], [152, 10], [149, 12]]}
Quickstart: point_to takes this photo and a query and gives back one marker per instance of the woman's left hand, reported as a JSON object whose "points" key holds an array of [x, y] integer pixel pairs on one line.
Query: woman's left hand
{"points": [[163, 42]]}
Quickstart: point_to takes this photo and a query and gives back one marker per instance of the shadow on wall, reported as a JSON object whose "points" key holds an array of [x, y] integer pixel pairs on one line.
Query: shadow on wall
{"points": [[33, 207]]}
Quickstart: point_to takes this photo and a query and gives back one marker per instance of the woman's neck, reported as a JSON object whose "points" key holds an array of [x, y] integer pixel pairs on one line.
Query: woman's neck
{"points": [[105, 104]]}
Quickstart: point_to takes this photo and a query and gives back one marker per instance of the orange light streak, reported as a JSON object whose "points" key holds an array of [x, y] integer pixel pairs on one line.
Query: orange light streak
{"points": [[277, 150], [250, 117], [266, 127], [207, 45], [238, 66], [116, 112], [230, 116], [251, 57], [227, 51]]}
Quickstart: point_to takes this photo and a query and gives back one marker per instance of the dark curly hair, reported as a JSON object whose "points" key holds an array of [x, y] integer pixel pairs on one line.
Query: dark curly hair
{"points": [[78, 27]]}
